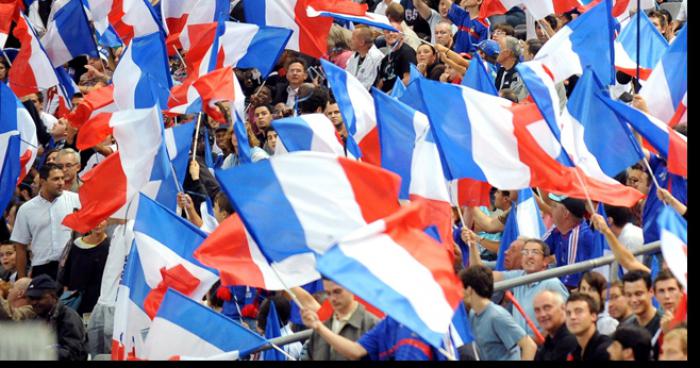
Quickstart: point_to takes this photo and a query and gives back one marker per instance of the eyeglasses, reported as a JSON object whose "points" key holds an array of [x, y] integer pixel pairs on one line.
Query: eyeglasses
{"points": [[533, 252], [65, 166]]}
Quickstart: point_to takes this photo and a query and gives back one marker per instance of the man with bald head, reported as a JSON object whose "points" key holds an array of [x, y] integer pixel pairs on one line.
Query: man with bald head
{"points": [[17, 306], [365, 60], [551, 316]]}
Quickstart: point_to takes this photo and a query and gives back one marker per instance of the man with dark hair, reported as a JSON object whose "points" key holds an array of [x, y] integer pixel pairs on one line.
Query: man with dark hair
{"points": [[581, 316], [495, 332], [332, 112], [669, 292], [638, 291], [296, 75], [621, 222], [630, 343], [38, 224], [311, 99], [618, 307], [284, 310], [66, 323]]}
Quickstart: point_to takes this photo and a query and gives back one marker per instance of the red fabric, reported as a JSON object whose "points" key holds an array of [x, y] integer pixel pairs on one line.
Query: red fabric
{"points": [[495, 7], [371, 150], [175, 27], [420, 345], [8, 12], [124, 31], [376, 190], [21, 78], [313, 32], [94, 100], [176, 278], [224, 293], [94, 131], [677, 154], [370, 308], [103, 193], [644, 73], [202, 38], [678, 115], [438, 214], [249, 311], [326, 311], [539, 339], [473, 193], [681, 313]]}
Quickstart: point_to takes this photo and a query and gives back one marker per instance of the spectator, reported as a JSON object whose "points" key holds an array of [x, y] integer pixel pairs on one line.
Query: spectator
{"points": [[427, 59], [497, 335], [593, 284], [263, 119], [256, 152], [49, 120], [618, 307], [621, 222], [659, 21], [65, 322], [69, 160], [223, 143], [669, 292], [488, 50], [501, 30], [551, 316], [638, 290], [396, 64], [338, 46], [332, 112], [630, 343], [581, 314], [508, 58], [38, 225], [4, 70], [434, 17], [622, 255], [283, 309], [17, 306], [396, 14], [443, 34], [532, 46], [295, 77], [382, 5], [471, 28], [96, 75], [675, 345], [8, 260], [670, 200], [271, 141], [365, 60]]}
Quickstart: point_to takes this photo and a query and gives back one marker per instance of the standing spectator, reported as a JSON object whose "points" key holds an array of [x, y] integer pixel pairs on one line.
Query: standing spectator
{"points": [[396, 14], [581, 314], [675, 345], [472, 29], [283, 309], [551, 316], [630, 343], [397, 64], [295, 77], [593, 284], [65, 322], [382, 5], [432, 16], [332, 112], [38, 225], [618, 307], [427, 58], [638, 290], [508, 58], [69, 160], [495, 332], [365, 60], [17, 306]]}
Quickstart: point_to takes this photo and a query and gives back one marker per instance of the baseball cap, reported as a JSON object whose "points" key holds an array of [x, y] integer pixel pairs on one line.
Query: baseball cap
{"points": [[489, 47], [576, 206], [40, 285]]}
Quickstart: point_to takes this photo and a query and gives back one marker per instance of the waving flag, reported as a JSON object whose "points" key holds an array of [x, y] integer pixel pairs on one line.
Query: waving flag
{"points": [[309, 34], [587, 40], [670, 144], [31, 70], [68, 34], [357, 107], [311, 198], [129, 18], [650, 51], [97, 101], [478, 78], [507, 145], [674, 243], [115, 181], [246, 45], [8, 10], [524, 220], [370, 19], [203, 93], [178, 142], [394, 265], [460, 329], [538, 8], [19, 142], [205, 11], [312, 132], [272, 330], [183, 329], [142, 77], [666, 90]]}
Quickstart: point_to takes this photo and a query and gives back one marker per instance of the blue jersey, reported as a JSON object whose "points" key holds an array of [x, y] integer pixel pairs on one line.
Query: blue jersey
{"points": [[469, 31], [577, 245], [390, 340]]}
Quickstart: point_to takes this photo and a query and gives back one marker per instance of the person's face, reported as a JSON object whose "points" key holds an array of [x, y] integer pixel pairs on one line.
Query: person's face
{"points": [[444, 7], [505, 53], [35, 100], [559, 213], [579, 318], [263, 117], [425, 55], [296, 75], [392, 37], [271, 139], [549, 315], [332, 112], [443, 34], [218, 213], [53, 185], [668, 293], [585, 288], [339, 297], [58, 131], [498, 34], [541, 35], [532, 258], [638, 296], [234, 141], [42, 306], [7, 257], [221, 140], [615, 350], [513, 255], [95, 63], [673, 350], [617, 303], [638, 179], [527, 55], [3, 71], [500, 201], [657, 23], [470, 3], [356, 41], [69, 164]]}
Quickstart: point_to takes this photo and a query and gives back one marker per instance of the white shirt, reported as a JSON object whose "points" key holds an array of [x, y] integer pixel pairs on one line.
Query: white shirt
{"points": [[381, 7], [38, 225], [294, 349], [291, 95], [49, 120], [119, 248], [632, 237], [367, 72]]}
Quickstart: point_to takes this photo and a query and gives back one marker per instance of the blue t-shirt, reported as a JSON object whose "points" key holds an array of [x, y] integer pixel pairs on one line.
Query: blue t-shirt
{"points": [[577, 245], [469, 31], [496, 334], [390, 340]]}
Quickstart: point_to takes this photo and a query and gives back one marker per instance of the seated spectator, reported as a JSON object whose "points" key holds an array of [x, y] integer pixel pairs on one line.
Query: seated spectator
{"points": [[668, 291], [332, 112], [630, 343], [263, 118], [396, 14], [427, 59], [618, 307], [8, 260], [581, 315], [508, 58], [551, 316], [395, 65], [443, 33], [17, 306], [638, 290], [295, 77], [593, 284], [338, 46], [365, 60], [675, 345]]}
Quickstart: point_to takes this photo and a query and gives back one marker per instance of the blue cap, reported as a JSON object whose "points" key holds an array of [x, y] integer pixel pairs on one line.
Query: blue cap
{"points": [[489, 47]]}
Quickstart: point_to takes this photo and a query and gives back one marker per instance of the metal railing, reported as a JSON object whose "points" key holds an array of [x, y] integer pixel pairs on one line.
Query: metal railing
{"points": [[504, 285]]}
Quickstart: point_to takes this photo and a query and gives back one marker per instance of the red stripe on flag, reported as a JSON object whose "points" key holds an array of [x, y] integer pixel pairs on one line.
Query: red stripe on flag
{"points": [[94, 131], [678, 115], [21, 76], [473, 193], [371, 149], [677, 154], [376, 190], [115, 16]]}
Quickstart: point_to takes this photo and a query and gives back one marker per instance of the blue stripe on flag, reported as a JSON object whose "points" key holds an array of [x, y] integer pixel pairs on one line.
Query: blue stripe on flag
{"points": [[74, 29], [478, 78], [592, 40], [155, 83], [295, 133], [261, 51], [255, 11], [675, 64]]}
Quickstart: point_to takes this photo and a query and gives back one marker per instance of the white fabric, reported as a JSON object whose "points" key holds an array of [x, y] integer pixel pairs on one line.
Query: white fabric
{"points": [[119, 247], [165, 337], [367, 72], [381, 7], [632, 237]]}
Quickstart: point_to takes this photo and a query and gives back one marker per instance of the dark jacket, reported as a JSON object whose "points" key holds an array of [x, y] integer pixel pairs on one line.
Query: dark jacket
{"points": [[596, 349], [70, 332], [557, 347], [360, 322]]}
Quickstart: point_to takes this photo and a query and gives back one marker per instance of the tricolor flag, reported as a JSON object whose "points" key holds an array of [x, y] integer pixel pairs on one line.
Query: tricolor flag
{"points": [[178, 142], [370, 19], [8, 11], [312, 132], [394, 265], [666, 90], [538, 8], [184, 329], [524, 220], [674, 243], [31, 70], [178, 15], [17, 131], [246, 45], [68, 34], [478, 78], [97, 101], [130, 18], [651, 49]]}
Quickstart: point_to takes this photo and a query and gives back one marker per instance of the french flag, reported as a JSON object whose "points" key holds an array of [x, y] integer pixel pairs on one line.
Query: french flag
{"points": [[650, 51], [196, 12], [95, 102], [31, 70], [112, 184], [525, 220], [478, 78], [68, 34], [312, 132], [246, 45], [506, 145], [404, 272], [539, 9], [8, 12], [311, 200], [203, 93], [62, 95], [142, 77], [587, 40], [178, 141], [409, 150], [674, 243], [182, 330], [666, 90], [129, 18], [370, 19], [670, 144], [309, 34], [234, 253], [160, 258], [357, 107]]}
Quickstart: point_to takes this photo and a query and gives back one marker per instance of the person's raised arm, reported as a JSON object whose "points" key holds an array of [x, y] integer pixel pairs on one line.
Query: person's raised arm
{"points": [[307, 300], [622, 254], [345, 347], [423, 9], [486, 223], [670, 200]]}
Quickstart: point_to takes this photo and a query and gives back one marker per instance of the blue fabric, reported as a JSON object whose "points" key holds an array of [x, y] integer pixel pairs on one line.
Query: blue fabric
{"points": [[478, 78], [559, 246], [272, 330], [653, 205], [496, 333], [241, 295], [183, 134], [10, 167], [311, 288], [74, 29], [675, 63], [470, 31], [261, 51], [148, 52], [134, 278], [295, 133], [337, 80], [390, 340], [464, 247], [592, 40]]}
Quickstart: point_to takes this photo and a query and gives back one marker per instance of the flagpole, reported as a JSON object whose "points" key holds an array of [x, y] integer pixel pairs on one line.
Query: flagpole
{"points": [[7, 58], [639, 20], [196, 137], [585, 189], [286, 288]]}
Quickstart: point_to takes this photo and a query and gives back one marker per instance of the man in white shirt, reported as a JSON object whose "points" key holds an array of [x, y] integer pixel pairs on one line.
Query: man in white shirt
{"points": [[364, 62], [620, 222], [38, 224], [381, 7]]}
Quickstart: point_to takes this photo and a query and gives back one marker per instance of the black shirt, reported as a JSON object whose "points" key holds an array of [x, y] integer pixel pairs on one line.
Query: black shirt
{"points": [[394, 65], [557, 347], [653, 327], [596, 349], [504, 78]]}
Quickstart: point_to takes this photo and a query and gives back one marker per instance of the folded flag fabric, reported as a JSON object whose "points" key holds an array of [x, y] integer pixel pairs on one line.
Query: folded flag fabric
{"points": [[370, 19], [674, 243], [129, 18], [312, 132], [538, 8], [31, 70], [524, 220], [650, 50], [246, 45], [97, 101], [68, 34]]}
